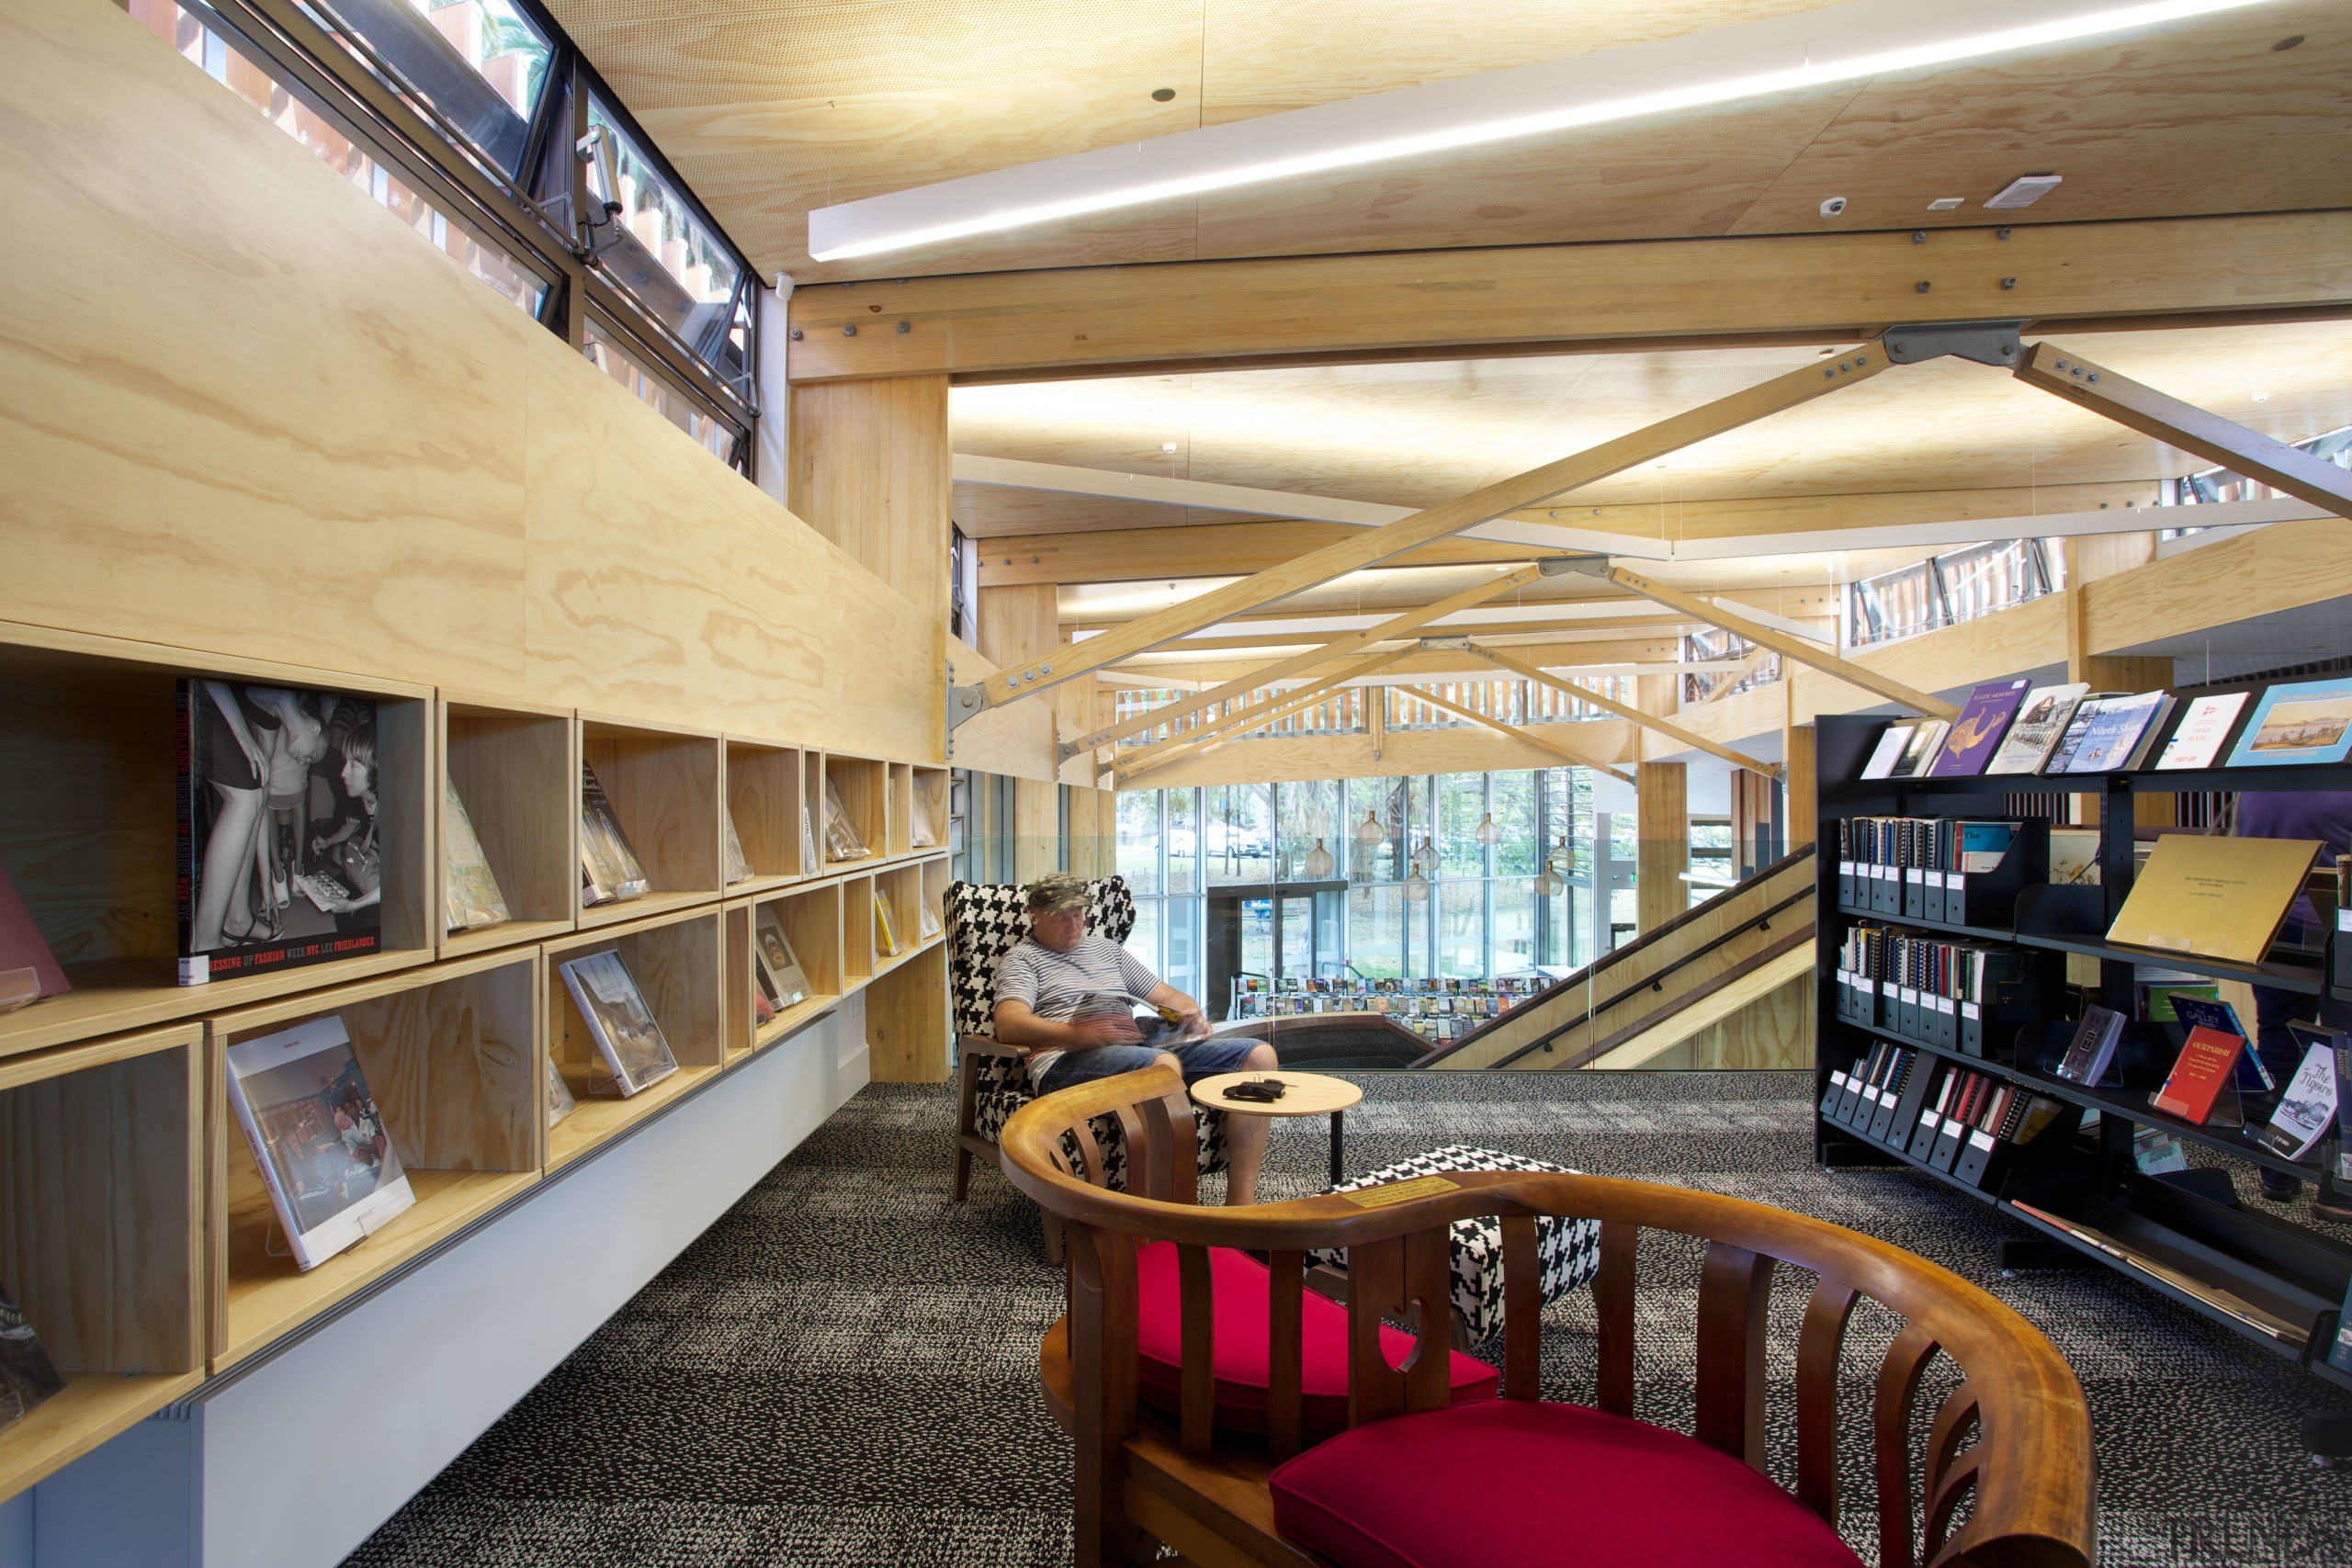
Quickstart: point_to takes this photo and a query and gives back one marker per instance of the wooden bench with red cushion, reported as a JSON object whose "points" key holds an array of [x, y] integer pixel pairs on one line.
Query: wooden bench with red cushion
{"points": [[1234, 1463]]}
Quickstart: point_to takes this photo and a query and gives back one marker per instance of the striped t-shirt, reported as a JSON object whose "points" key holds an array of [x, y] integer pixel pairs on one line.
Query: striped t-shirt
{"points": [[1053, 983]]}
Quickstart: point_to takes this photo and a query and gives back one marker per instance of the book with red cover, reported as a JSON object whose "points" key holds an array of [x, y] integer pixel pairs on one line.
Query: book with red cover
{"points": [[2204, 1066], [21, 945]]}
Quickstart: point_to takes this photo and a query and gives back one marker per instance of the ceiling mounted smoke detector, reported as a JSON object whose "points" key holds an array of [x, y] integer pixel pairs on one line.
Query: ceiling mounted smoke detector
{"points": [[2025, 190]]}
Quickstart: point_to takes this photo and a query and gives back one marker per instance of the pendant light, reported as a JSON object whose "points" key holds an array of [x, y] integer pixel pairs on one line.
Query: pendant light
{"points": [[1318, 863], [1417, 888], [1547, 883], [1489, 833], [1369, 831], [1425, 858]]}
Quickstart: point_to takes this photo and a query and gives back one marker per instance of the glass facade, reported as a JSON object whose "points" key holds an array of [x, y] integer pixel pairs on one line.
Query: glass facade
{"points": [[1482, 915]]}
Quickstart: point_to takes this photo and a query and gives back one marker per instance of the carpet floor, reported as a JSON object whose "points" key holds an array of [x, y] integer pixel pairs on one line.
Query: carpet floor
{"points": [[842, 1369]]}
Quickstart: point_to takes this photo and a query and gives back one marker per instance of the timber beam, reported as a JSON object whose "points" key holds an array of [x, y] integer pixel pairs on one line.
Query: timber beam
{"points": [[1577, 755], [1370, 548], [1263, 710], [2136, 406], [1665, 727], [1825, 289]]}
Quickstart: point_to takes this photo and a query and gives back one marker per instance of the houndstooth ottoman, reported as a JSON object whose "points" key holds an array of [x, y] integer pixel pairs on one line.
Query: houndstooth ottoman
{"points": [[1567, 1252]]}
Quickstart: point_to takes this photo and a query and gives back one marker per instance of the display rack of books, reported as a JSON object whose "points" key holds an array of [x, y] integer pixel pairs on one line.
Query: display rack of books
{"points": [[1950, 1039], [508, 873], [898, 903], [783, 959], [1441, 1010], [901, 812], [634, 1021], [168, 815], [650, 824], [356, 1127], [101, 1242], [853, 811], [766, 806]]}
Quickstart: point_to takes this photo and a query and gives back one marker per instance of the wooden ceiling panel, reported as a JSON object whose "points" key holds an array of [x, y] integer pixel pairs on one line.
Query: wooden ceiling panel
{"points": [[772, 106]]}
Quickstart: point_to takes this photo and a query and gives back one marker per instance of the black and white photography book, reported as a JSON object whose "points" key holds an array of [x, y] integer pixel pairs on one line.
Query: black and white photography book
{"points": [[281, 862], [317, 1137]]}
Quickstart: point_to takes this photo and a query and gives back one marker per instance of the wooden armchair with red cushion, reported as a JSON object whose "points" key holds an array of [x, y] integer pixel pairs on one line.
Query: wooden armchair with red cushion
{"points": [[1220, 1408]]}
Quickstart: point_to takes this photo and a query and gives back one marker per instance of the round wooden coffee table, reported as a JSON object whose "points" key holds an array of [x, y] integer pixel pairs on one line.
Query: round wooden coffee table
{"points": [[1307, 1094]]}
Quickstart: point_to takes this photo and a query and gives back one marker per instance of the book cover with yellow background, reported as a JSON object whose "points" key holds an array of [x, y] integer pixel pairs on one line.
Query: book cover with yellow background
{"points": [[2218, 897]]}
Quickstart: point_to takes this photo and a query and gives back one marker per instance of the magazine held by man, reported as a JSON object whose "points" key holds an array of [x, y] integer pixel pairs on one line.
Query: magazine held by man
{"points": [[623, 1026], [317, 1137], [281, 863]]}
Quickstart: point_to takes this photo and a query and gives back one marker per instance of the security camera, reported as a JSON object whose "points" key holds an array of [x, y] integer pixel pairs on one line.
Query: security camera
{"points": [[1833, 206]]}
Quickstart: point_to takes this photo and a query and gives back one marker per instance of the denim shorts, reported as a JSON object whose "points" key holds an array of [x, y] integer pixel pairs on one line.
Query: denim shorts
{"points": [[1201, 1059]]}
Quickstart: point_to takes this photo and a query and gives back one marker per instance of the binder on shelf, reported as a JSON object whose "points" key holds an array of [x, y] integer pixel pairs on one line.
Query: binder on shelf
{"points": [[1949, 870], [1929, 1123]]}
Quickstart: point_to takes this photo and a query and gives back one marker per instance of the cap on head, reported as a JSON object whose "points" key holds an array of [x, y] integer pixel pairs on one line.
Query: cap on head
{"points": [[1056, 893]]}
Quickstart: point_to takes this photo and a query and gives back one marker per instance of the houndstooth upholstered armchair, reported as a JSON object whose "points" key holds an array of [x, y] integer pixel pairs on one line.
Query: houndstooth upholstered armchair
{"points": [[984, 921]]}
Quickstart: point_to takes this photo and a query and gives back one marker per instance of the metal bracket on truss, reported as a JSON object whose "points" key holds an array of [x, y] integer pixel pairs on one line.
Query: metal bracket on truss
{"points": [[1578, 566], [1445, 643], [965, 702], [1987, 343], [1063, 751]]}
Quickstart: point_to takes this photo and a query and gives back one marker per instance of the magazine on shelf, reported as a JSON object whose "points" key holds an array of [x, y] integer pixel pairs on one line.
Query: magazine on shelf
{"points": [[471, 897], [277, 796], [2093, 1047], [2196, 739], [778, 966], [28, 970], [2307, 1107], [1976, 733], [885, 925], [317, 1137], [27, 1374], [2298, 722], [609, 869], [734, 865], [2110, 732], [561, 1101], [2035, 732], [843, 840], [623, 1027], [1890, 747]]}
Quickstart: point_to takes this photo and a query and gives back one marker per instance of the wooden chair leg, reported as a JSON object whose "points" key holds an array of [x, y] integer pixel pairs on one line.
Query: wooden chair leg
{"points": [[963, 1182], [1053, 1237]]}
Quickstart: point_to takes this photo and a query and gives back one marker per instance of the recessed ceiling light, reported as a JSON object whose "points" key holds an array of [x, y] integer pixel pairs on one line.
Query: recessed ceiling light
{"points": [[1808, 50], [1946, 203], [1162, 95], [2284, 44], [1168, 448], [2025, 190]]}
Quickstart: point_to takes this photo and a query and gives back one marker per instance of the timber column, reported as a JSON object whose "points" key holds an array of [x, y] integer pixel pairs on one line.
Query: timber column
{"points": [[1662, 818]]}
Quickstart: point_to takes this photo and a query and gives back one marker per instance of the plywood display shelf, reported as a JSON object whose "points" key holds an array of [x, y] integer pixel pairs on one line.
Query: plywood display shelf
{"points": [[101, 1235], [663, 783], [516, 766], [676, 963], [767, 798], [114, 994], [452, 1056]]}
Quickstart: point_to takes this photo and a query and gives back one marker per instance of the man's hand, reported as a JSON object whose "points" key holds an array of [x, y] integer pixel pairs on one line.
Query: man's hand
{"points": [[1111, 1030], [1194, 1026]]}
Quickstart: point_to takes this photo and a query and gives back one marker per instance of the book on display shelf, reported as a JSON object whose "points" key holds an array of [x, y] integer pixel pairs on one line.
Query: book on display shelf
{"points": [[885, 925], [2034, 733], [276, 798], [2207, 1062], [2074, 857], [810, 864], [2342, 1048], [1890, 747], [626, 1032], [778, 965], [1920, 749], [27, 1374], [2307, 1106], [2092, 1050], [561, 1101], [2196, 739], [1976, 734], [471, 897], [734, 865], [2214, 897], [2297, 722], [317, 1137], [2340, 1350], [28, 970], [2199, 1012], [843, 840], [609, 869], [928, 918], [2111, 733]]}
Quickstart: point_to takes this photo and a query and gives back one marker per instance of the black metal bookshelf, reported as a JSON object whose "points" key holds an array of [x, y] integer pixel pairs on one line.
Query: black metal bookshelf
{"points": [[2078, 1187]]}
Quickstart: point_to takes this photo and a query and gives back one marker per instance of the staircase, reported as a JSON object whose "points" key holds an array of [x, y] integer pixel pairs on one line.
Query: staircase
{"points": [[1728, 983]]}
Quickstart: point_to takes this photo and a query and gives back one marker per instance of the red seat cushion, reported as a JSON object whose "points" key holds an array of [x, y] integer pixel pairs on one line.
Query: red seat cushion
{"points": [[1238, 1286], [1534, 1486]]}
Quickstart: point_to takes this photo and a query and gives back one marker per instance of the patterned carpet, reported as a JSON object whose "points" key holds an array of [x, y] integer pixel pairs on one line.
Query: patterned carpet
{"points": [[842, 1371]]}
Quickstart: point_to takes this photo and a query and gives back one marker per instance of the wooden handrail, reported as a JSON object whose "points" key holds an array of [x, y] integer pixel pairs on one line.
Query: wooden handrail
{"points": [[2030, 1472]]}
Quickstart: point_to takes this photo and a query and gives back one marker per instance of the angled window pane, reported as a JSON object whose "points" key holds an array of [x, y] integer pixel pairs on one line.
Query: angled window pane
{"points": [[479, 64], [668, 261], [604, 352]]}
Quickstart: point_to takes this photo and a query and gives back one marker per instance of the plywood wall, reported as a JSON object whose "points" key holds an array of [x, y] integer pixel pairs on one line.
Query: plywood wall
{"points": [[242, 411]]}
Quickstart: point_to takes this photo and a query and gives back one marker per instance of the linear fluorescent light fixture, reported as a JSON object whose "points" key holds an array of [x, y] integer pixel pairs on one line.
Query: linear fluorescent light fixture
{"points": [[1841, 43]]}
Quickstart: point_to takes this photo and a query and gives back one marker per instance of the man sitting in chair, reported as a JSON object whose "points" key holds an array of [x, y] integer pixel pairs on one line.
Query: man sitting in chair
{"points": [[1049, 999]]}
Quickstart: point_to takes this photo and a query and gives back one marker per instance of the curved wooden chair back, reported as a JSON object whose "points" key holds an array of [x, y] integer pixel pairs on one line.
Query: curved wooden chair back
{"points": [[2027, 1478]]}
